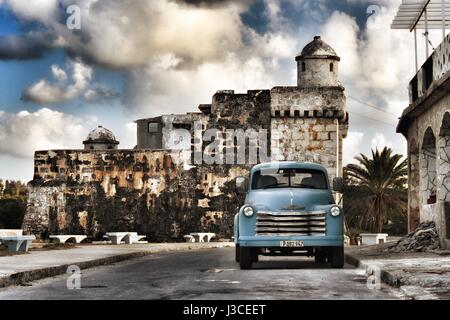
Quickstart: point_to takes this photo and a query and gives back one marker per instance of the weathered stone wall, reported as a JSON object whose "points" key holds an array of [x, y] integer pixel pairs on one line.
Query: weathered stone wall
{"points": [[429, 179], [310, 125], [318, 72], [414, 184], [145, 191], [441, 59]]}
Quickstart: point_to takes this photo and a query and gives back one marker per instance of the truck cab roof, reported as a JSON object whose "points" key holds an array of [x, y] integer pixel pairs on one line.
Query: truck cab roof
{"points": [[289, 165]]}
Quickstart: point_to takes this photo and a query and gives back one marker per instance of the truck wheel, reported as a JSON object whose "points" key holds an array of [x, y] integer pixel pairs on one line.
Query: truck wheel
{"points": [[320, 255], [238, 252], [337, 257], [246, 258]]}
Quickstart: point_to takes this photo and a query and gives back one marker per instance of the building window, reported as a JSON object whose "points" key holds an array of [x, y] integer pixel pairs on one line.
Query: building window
{"points": [[153, 127], [303, 67], [428, 174], [183, 126], [331, 67]]}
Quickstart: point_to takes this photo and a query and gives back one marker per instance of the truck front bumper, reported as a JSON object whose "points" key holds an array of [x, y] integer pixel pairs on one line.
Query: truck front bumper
{"points": [[273, 242]]}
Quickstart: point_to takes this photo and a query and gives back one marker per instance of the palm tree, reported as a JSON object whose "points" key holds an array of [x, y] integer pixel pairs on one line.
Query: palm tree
{"points": [[375, 190]]}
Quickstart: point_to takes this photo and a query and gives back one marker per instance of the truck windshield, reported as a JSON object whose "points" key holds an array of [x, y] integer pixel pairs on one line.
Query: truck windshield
{"points": [[289, 178]]}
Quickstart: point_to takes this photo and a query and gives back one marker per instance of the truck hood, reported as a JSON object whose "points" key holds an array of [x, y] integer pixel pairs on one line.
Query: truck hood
{"points": [[294, 199]]}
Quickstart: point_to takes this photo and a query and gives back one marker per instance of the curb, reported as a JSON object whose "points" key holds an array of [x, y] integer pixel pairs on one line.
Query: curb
{"points": [[24, 277], [386, 276]]}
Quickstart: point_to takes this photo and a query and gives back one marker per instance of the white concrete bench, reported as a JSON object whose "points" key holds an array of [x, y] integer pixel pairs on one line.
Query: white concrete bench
{"points": [[10, 233], [203, 236], [189, 238], [65, 238], [18, 243], [369, 239], [128, 237]]}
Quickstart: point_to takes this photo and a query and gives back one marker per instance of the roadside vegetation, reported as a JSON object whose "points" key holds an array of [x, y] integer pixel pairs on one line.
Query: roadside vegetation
{"points": [[13, 202], [375, 195]]}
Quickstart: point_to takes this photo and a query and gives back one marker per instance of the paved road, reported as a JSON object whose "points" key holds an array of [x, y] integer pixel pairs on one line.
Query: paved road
{"points": [[207, 274]]}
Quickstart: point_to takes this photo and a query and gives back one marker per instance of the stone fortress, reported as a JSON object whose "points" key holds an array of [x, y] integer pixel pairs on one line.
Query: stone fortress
{"points": [[155, 189]]}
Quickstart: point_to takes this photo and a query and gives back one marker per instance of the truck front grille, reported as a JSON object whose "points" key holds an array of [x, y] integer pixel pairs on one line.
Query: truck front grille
{"points": [[284, 224]]}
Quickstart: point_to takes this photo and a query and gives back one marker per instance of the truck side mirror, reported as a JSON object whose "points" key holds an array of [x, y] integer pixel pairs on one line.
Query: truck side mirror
{"points": [[241, 185], [338, 185]]}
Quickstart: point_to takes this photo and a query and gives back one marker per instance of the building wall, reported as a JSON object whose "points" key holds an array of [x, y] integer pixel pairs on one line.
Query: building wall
{"points": [[151, 192], [311, 124], [318, 72], [429, 167], [100, 146], [145, 138], [441, 59]]}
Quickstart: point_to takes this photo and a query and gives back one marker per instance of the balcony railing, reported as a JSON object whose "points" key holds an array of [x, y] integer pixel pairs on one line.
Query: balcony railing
{"points": [[434, 69]]}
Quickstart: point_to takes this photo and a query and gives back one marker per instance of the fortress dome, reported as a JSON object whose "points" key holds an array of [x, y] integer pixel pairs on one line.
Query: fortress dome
{"points": [[101, 139], [318, 49]]}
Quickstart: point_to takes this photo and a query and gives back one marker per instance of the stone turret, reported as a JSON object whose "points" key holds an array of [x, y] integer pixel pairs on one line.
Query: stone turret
{"points": [[317, 65]]}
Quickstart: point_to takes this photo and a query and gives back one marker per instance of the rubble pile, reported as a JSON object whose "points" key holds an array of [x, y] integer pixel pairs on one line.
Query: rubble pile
{"points": [[424, 238]]}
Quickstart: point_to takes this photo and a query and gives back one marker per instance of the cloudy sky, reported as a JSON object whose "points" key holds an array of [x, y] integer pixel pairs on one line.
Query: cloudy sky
{"points": [[140, 58]]}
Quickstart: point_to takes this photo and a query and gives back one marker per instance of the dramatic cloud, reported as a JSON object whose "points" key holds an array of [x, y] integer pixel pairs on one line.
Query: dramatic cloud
{"points": [[24, 132], [120, 34], [352, 142], [29, 46], [175, 54], [212, 3], [380, 141], [48, 93], [43, 11]]}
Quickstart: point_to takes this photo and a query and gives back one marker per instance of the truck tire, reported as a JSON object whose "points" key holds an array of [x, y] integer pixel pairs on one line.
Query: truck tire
{"points": [[320, 255], [246, 258], [255, 256], [238, 253], [337, 257]]}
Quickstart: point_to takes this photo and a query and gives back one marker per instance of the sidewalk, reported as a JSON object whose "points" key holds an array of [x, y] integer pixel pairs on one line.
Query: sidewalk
{"points": [[419, 275], [20, 269]]}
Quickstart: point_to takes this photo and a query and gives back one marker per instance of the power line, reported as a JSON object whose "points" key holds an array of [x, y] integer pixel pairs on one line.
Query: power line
{"points": [[373, 107], [363, 116]]}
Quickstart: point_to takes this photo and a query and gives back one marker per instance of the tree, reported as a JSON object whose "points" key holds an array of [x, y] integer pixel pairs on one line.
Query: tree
{"points": [[13, 201], [375, 191]]}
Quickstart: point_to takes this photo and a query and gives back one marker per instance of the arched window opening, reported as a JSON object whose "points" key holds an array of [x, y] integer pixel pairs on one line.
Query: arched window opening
{"points": [[303, 67], [444, 164], [331, 67], [444, 158], [428, 173]]}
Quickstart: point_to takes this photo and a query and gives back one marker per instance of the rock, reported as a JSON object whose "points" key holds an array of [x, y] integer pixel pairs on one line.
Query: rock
{"points": [[424, 238]]}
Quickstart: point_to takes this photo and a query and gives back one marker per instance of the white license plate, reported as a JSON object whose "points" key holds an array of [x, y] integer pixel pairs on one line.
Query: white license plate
{"points": [[292, 244]]}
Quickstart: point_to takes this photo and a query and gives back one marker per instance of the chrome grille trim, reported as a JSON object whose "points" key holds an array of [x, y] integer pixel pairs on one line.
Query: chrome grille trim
{"points": [[291, 223]]}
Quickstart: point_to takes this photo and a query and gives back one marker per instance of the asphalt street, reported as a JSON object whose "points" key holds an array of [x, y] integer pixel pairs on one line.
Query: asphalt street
{"points": [[207, 274]]}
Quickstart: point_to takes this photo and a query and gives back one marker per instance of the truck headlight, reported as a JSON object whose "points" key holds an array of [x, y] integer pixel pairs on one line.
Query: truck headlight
{"points": [[335, 211], [248, 211]]}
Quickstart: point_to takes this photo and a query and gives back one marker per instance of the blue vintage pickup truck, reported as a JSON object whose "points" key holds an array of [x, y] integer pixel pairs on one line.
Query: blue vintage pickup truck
{"points": [[289, 209]]}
